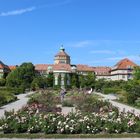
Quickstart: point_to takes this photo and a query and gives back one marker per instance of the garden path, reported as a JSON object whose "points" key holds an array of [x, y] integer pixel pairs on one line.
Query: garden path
{"points": [[121, 107], [66, 110], [22, 101]]}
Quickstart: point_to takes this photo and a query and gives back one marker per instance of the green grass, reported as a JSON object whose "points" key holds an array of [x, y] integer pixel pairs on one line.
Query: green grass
{"points": [[69, 136]]}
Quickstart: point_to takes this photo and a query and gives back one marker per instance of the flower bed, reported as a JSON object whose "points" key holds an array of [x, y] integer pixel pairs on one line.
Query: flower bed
{"points": [[73, 123]]}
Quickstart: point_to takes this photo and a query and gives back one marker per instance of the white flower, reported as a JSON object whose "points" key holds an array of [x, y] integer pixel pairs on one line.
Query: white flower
{"points": [[72, 121], [81, 120], [66, 126], [61, 130], [67, 119], [59, 122]]}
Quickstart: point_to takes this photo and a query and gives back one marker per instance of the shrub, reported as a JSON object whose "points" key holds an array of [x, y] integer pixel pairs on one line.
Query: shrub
{"points": [[2, 82], [111, 90], [73, 123], [67, 103], [6, 97]]}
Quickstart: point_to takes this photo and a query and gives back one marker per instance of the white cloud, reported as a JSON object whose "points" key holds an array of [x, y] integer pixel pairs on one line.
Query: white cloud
{"points": [[30, 9], [17, 12]]}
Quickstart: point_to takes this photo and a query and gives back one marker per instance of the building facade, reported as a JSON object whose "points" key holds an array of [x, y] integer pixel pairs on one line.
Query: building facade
{"points": [[4, 70], [63, 68], [123, 70]]}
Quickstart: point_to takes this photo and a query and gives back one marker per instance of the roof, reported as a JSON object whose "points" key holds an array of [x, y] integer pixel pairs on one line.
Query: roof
{"points": [[2, 65], [124, 64], [85, 68], [42, 67], [102, 70], [65, 67], [12, 67], [62, 53], [56, 67]]}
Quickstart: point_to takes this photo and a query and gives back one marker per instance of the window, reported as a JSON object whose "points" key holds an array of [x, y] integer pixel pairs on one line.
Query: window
{"points": [[123, 76], [62, 61]]}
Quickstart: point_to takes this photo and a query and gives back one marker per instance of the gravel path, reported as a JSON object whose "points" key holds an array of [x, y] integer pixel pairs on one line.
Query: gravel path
{"points": [[121, 107], [22, 101], [66, 110]]}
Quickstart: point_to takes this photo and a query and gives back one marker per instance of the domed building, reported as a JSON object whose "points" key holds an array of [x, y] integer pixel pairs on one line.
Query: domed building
{"points": [[62, 57], [62, 67]]}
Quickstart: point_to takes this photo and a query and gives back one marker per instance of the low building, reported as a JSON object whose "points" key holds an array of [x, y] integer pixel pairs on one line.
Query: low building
{"points": [[4, 70], [123, 70], [12, 67], [102, 72]]}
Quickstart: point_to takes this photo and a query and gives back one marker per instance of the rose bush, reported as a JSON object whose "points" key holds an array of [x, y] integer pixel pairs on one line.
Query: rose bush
{"points": [[73, 123]]}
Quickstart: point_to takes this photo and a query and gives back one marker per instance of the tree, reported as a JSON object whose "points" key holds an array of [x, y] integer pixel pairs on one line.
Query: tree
{"points": [[87, 80], [75, 80], [2, 82], [22, 76], [38, 82], [50, 80], [59, 80], [136, 73], [65, 81], [99, 84], [90, 79]]}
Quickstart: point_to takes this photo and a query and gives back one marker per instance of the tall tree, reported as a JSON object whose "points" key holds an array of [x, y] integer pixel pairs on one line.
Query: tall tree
{"points": [[50, 80], [22, 76]]}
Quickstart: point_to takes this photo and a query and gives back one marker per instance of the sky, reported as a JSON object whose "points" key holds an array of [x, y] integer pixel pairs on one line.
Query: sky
{"points": [[93, 32]]}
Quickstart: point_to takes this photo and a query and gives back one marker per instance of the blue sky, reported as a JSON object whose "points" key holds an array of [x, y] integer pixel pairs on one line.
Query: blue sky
{"points": [[93, 32]]}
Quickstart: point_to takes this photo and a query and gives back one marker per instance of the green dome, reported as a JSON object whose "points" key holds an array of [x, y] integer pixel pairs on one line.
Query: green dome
{"points": [[62, 48]]}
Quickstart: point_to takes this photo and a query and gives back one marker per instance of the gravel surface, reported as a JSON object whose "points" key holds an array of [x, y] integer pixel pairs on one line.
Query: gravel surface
{"points": [[121, 107], [22, 101]]}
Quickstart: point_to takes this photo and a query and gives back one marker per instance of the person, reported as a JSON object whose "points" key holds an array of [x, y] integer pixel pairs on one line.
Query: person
{"points": [[62, 94]]}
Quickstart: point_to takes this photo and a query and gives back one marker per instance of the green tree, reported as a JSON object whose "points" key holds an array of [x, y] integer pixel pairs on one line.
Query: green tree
{"points": [[75, 80], [59, 80], [22, 76], [87, 80], [50, 80], [39, 82], [65, 81], [2, 82], [90, 79], [136, 73]]}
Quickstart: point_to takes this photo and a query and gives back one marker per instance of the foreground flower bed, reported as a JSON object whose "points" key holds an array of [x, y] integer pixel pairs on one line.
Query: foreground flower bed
{"points": [[73, 123]]}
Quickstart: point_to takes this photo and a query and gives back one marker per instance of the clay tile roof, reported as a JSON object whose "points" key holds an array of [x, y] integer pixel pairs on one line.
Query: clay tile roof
{"points": [[42, 67], [12, 67], [124, 64], [85, 68], [2, 65], [102, 70], [63, 53], [65, 67]]}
